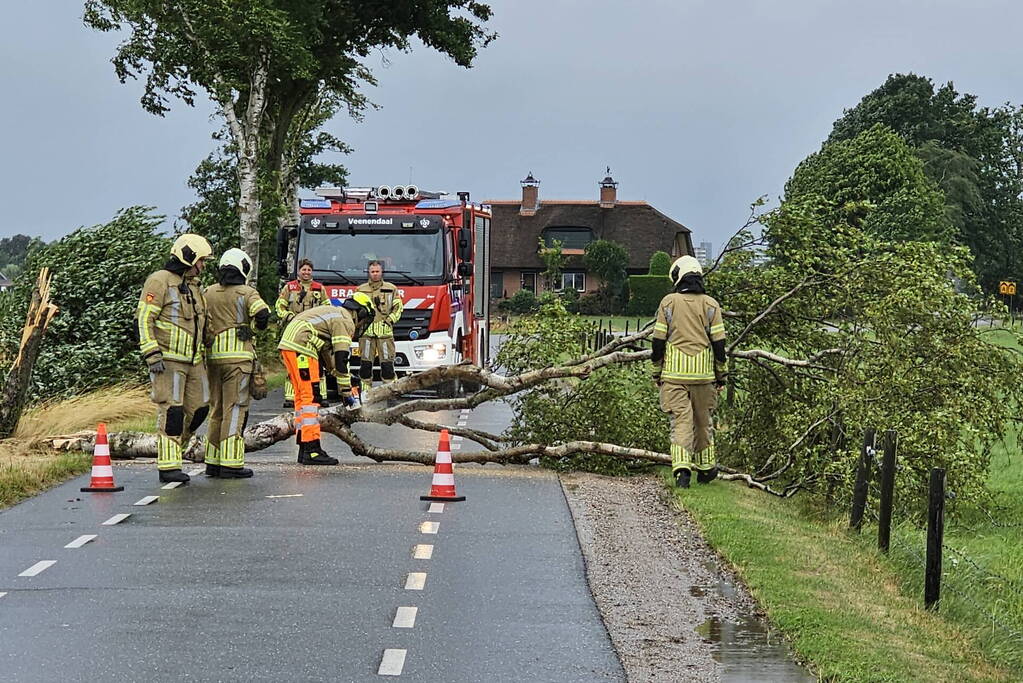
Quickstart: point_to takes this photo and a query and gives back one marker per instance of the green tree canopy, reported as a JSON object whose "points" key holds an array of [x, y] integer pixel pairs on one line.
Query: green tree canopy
{"points": [[608, 261], [873, 179]]}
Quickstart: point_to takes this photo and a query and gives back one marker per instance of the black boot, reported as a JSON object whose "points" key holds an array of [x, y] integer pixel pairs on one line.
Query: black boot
{"points": [[212, 470], [707, 476], [167, 476], [235, 472], [289, 404], [682, 478], [312, 453]]}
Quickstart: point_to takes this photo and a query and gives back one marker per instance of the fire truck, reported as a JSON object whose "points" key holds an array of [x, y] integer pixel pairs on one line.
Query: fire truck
{"points": [[434, 247]]}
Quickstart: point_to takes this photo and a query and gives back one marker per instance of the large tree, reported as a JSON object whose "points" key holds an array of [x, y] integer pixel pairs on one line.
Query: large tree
{"points": [[267, 63], [972, 153]]}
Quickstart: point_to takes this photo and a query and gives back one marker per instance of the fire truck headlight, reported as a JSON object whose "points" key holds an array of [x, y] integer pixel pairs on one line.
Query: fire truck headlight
{"points": [[433, 352]]}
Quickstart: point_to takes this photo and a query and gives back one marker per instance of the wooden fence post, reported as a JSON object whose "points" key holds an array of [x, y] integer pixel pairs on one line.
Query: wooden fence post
{"points": [[859, 502], [935, 535], [884, 524]]}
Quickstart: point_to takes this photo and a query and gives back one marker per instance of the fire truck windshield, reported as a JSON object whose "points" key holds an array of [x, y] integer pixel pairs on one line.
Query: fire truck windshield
{"points": [[409, 256]]}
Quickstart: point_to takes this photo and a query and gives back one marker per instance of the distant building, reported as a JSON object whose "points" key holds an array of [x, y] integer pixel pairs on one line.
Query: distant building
{"points": [[704, 254], [518, 225], [5, 283]]}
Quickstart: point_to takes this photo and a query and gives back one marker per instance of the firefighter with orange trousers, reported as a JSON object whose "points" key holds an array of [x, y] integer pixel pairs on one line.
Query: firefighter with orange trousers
{"points": [[321, 337], [689, 368], [297, 296]]}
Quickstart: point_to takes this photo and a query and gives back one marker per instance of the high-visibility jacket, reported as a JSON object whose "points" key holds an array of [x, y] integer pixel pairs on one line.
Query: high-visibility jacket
{"points": [[297, 296], [387, 306], [319, 333], [688, 322], [171, 318], [230, 308]]}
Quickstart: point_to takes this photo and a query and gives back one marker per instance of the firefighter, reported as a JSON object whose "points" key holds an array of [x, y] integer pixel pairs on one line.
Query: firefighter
{"points": [[232, 308], [171, 317], [378, 341], [321, 336], [297, 296], [689, 368]]}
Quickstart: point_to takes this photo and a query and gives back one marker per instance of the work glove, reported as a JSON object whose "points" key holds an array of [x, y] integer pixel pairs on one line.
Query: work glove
{"points": [[657, 378], [720, 380], [347, 399], [155, 363], [244, 334]]}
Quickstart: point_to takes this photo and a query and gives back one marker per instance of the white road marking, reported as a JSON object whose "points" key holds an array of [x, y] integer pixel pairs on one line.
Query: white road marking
{"points": [[436, 507], [80, 541], [415, 581], [3, 594], [196, 472], [172, 485], [456, 446], [429, 527], [287, 495], [147, 500], [456, 438], [462, 423], [405, 618], [43, 565], [117, 519], [392, 663], [423, 552]]}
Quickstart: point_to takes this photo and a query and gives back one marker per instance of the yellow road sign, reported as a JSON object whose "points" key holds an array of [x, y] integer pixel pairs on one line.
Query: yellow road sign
{"points": [[1007, 287]]}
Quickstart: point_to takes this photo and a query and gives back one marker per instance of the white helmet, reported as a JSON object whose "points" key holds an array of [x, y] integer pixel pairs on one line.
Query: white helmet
{"points": [[237, 258], [683, 266], [189, 248]]}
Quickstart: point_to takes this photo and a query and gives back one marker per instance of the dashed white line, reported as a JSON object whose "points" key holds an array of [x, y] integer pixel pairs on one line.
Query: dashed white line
{"points": [[415, 581], [462, 423], [429, 527], [3, 594], [456, 438], [287, 495], [423, 552], [456, 446], [80, 541], [147, 500], [405, 617], [196, 472], [392, 663], [117, 519], [436, 507], [43, 565], [172, 485]]}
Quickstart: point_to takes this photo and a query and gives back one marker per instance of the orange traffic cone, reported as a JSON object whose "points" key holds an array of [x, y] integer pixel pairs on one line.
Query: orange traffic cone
{"points": [[443, 488], [102, 472]]}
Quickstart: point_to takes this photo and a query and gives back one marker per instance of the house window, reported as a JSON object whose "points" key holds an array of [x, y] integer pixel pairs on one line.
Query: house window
{"points": [[570, 237], [528, 281], [576, 281], [497, 285]]}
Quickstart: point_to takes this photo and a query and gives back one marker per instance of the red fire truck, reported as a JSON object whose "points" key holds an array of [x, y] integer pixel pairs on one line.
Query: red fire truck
{"points": [[434, 248]]}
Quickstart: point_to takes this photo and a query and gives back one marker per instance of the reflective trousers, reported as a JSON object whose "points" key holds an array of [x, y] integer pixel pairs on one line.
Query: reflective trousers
{"points": [[304, 372], [376, 347], [229, 412], [182, 395], [690, 408]]}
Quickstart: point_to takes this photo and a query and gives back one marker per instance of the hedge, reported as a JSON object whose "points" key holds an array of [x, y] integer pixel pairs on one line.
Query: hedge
{"points": [[645, 292]]}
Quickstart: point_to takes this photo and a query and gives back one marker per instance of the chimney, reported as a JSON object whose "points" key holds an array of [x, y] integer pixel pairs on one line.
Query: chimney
{"points": [[530, 196], [608, 191]]}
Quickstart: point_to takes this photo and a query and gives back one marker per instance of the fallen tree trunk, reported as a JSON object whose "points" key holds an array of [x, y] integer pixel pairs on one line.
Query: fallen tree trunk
{"points": [[15, 388]]}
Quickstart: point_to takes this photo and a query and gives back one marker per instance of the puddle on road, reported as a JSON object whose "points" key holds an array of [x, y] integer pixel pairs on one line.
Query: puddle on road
{"points": [[745, 647]]}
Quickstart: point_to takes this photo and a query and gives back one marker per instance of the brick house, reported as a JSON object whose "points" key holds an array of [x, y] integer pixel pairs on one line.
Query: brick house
{"points": [[518, 225]]}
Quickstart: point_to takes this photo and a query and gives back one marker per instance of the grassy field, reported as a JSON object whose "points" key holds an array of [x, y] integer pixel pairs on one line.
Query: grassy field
{"points": [[855, 613]]}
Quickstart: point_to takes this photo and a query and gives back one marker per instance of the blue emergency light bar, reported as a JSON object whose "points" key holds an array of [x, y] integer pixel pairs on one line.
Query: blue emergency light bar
{"points": [[438, 203], [314, 203]]}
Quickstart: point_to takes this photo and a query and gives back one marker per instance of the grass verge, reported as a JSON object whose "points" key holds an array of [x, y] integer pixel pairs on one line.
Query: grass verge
{"points": [[843, 606], [28, 475]]}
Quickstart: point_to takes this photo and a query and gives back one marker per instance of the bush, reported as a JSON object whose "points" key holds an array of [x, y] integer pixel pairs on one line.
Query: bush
{"points": [[97, 276], [645, 292], [570, 300], [660, 263], [600, 302], [520, 303]]}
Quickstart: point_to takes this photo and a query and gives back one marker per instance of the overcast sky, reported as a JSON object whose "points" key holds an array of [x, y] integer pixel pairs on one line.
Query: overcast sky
{"points": [[697, 107]]}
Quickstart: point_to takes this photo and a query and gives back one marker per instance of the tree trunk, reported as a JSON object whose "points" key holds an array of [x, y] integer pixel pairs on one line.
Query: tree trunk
{"points": [[15, 388]]}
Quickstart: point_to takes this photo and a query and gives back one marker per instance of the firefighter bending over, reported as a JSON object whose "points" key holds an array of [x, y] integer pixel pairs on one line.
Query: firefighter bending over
{"points": [[378, 341], [297, 296], [321, 336], [689, 368], [171, 318], [233, 307]]}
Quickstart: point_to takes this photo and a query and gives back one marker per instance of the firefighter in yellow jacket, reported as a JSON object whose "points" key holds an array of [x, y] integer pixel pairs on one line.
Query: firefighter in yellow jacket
{"points": [[297, 296], [233, 307], [321, 336], [171, 318], [378, 341], [689, 368]]}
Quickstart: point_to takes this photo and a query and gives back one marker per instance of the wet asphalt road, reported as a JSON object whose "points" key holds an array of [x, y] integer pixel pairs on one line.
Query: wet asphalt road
{"points": [[299, 574]]}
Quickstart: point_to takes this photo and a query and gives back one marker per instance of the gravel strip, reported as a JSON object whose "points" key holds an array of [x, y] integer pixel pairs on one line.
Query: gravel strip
{"points": [[654, 578]]}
